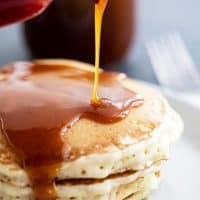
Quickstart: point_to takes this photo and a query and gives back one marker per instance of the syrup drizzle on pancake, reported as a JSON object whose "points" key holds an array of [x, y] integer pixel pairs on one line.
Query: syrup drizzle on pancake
{"points": [[39, 103]]}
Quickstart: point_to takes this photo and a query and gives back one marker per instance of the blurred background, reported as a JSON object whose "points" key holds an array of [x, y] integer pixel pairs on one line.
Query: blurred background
{"points": [[153, 18]]}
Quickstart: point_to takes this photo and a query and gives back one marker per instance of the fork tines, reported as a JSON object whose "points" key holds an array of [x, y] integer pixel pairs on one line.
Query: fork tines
{"points": [[172, 63]]}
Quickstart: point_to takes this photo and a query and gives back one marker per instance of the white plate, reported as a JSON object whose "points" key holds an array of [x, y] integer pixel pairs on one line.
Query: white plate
{"points": [[181, 177]]}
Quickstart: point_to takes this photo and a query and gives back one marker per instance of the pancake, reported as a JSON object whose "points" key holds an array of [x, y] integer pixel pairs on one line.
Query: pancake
{"points": [[100, 155], [116, 187]]}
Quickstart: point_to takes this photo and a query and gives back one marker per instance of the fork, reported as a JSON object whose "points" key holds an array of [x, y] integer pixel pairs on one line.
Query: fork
{"points": [[173, 65]]}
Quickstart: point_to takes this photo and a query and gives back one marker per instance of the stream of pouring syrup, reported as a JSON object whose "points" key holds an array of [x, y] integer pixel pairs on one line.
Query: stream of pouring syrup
{"points": [[100, 6]]}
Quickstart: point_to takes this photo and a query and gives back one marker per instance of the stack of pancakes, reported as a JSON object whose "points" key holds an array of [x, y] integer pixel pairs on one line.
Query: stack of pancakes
{"points": [[117, 161]]}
